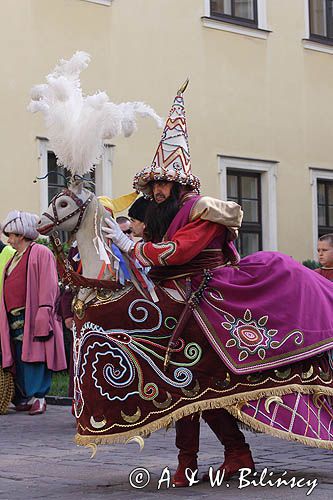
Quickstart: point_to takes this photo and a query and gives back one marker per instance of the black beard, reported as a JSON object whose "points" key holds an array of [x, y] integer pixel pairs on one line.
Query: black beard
{"points": [[160, 215]]}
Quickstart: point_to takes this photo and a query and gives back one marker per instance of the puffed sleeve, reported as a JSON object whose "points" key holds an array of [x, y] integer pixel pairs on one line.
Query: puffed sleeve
{"points": [[186, 243]]}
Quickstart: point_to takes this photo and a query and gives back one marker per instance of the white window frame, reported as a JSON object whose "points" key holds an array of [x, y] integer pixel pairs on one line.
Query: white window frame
{"points": [[101, 2], [310, 44], [262, 31], [268, 171], [103, 176], [315, 174]]}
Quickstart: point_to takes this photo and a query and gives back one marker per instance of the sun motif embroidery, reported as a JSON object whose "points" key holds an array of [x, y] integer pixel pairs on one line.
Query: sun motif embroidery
{"points": [[248, 335]]}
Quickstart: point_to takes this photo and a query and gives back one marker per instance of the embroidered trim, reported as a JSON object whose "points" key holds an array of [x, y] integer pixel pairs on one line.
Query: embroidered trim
{"points": [[163, 251], [252, 337], [140, 254], [251, 367], [170, 249], [227, 402], [16, 325]]}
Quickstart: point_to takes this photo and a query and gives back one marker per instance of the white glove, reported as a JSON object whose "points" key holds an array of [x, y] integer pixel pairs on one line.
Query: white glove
{"points": [[120, 239]]}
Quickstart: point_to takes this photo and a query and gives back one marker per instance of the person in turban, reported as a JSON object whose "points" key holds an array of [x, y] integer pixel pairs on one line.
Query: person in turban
{"points": [[31, 336]]}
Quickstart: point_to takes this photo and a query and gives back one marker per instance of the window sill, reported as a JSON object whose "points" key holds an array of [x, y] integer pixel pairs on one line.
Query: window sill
{"points": [[217, 24], [100, 2], [318, 46]]}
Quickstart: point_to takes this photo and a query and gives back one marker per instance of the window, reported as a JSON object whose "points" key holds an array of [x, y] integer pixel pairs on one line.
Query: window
{"points": [[47, 162], [252, 184], [236, 11], [325, 206], [245, 189], [322, 204], [56, 181], [321, 20]]}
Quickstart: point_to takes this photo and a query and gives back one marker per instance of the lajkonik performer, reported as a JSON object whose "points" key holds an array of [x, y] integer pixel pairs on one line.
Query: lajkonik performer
{"points": [[169, 197], [251, 337], [186, 233]]}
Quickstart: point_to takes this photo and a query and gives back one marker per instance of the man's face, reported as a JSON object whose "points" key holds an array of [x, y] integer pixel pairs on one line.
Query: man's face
{"points": [[325, 253], [15, 240], [137, 227], [161, 190], [126, 228]]}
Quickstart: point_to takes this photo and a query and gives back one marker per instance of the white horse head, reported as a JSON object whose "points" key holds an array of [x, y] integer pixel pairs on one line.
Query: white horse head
{"points": [[78, 211], [67, 210]]}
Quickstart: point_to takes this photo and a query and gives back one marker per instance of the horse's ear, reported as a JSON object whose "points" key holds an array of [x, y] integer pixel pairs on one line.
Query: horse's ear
{"points": [[79, 187], [76, 185]]}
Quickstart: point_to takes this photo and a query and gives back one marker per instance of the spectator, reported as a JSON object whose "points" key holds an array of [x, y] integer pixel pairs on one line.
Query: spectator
{"points": [[137, 213], [125, 226], [30, 332], [325, 256]]}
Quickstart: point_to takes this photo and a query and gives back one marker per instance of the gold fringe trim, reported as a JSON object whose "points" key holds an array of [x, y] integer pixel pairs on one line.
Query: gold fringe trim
{"points": [[226, 402], [288, 436]]}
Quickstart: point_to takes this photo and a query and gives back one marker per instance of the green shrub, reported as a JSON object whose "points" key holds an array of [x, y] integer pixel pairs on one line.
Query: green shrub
{"points": [[59, 385], [311, 264], [47, 243]]}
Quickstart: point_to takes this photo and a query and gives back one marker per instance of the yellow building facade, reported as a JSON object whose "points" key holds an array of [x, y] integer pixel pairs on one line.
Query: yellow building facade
{"points": [[258, 104]]}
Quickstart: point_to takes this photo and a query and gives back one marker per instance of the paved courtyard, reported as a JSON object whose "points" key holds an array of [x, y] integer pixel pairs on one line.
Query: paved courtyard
{"points": [[38, 459]]}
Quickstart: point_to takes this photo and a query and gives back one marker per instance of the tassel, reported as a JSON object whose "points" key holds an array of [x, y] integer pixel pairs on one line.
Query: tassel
{"points": [[121, 263]]}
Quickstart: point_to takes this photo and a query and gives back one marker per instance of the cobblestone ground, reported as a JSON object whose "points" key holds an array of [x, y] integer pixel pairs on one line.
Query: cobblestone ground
{"points": [[38, 459]]}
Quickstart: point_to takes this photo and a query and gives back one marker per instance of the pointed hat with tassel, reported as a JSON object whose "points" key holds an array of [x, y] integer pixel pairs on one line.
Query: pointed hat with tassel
{"points": [[172, 161]]}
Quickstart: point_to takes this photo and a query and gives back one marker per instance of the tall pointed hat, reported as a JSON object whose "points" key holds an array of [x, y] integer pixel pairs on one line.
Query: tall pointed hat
{"points": [[172, 161]]}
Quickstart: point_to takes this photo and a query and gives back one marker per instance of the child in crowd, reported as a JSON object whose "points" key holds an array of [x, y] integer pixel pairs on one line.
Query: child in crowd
{"points": [[325, 256]]}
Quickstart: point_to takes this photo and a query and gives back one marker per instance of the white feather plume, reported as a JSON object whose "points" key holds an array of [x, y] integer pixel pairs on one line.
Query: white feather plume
{"points": [[78, 125]]}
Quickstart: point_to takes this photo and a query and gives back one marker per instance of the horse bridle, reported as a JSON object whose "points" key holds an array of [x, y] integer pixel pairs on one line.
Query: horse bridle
{"points": [[81, 207]]}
